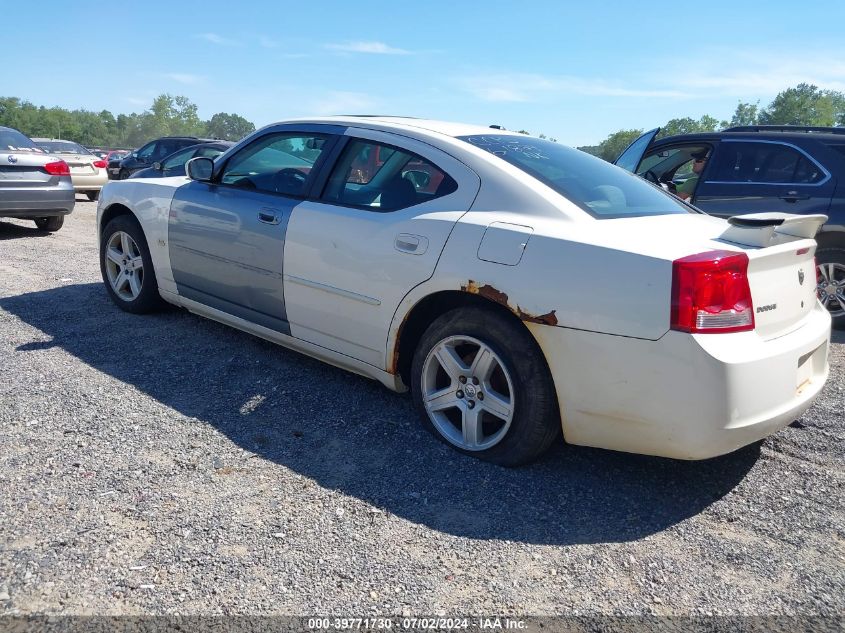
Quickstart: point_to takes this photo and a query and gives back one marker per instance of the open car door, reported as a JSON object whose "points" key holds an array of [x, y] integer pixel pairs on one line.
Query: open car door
{"points": [[631, 157]]}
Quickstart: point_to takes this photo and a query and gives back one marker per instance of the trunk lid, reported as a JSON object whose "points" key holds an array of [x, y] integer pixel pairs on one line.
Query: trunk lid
{"points": [[781, 267], [22, 169]]}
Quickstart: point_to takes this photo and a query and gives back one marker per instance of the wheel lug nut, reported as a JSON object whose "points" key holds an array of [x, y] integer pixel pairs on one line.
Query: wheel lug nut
{"points": [[460, 394], [462, 379], [471, 404], [474, 380], [480, 396]]}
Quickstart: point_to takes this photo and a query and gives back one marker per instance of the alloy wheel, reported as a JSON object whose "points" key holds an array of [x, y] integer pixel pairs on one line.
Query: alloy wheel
{"points": [[124, 266], [831, 287], [468, 393]]}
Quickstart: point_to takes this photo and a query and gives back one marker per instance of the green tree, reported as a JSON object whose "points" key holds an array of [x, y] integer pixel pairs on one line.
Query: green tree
{"points": [[231, 127], [745, 114], [805, 104], [689, 125], [610, 148]]}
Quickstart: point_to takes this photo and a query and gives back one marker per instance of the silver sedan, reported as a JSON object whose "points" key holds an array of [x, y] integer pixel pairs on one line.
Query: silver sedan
{"points": [[33, 184]]}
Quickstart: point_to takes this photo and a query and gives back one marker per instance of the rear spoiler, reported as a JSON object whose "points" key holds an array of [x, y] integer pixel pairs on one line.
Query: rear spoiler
{"points": [[767, 229]]}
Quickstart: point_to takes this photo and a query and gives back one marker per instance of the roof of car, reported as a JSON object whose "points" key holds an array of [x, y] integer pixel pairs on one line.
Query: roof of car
{"points": [[751, 133], [447, 128]]}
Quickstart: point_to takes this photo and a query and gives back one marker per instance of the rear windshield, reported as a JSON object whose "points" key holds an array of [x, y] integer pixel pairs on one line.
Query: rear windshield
{"points": [[599, 188], [14, 141], [62, 147]]}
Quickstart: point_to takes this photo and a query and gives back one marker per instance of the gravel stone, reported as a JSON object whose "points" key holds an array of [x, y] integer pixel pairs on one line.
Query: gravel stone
{"points": [[167, 464]]}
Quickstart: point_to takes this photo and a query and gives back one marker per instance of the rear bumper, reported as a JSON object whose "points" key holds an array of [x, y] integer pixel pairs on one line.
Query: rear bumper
{"points": [[684, 396], [92, 182], [27, 202]]}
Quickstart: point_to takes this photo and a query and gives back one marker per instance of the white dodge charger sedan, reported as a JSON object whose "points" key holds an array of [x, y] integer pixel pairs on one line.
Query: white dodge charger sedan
{"points": [[517, 287]]}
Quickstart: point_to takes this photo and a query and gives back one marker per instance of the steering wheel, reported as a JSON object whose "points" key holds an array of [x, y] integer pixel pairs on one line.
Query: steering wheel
{"points": [[289, 180], [651, 177]]}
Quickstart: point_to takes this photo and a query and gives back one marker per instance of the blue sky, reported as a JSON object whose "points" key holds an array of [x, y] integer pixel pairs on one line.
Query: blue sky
{"points": [[575, 71]]}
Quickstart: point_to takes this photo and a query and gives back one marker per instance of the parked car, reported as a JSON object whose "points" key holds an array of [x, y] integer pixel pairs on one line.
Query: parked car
{"points": [[87, 171], [150, 153], [116, 154], [515, 285], [174, 165], [761, 168], [33, 184]]}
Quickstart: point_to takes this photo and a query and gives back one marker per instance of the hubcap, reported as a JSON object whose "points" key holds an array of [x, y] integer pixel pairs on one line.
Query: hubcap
{"points": [[468, 393], [831, 287], [124, 266]]}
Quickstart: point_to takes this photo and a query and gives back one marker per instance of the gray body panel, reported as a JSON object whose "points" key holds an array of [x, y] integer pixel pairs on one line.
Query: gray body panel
{"points": [[27, 191], [224, 256]]}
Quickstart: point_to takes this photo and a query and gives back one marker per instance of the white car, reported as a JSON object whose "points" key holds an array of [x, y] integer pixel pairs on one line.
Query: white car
{"points": [[87, 170], [516, 286]]}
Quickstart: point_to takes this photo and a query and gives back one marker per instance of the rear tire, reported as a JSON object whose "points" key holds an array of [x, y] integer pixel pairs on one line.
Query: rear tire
{"points": [[93, 196], [515, 418], [123, 174], [830, 267], [127, 268], [51, 224]]}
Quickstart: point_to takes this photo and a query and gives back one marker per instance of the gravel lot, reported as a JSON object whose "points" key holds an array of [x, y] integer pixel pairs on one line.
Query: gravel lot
{"points": [[167, 464]]}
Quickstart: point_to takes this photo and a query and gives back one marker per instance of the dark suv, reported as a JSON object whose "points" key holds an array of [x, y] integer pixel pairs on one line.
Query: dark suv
{"points": [[150, 153], [755, 169]]}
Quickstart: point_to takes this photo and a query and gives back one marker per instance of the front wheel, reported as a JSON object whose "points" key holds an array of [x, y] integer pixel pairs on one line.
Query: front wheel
{"points": [[123, 174], [830, 269], [481, 385], [127, 267], [51, 224]]}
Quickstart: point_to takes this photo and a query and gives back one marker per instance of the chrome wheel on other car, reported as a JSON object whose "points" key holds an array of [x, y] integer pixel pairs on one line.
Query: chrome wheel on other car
{"points": [[831, 287], [468, 393], [124, 266]]}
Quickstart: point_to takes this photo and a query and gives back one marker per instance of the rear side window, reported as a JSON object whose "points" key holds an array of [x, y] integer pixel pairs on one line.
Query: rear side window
{"points": [[763, 163], [384, 178], [599, 188]]}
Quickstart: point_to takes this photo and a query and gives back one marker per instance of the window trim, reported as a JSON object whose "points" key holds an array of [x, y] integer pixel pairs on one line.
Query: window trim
{"points": [[314, 175], [319, 196], [800, 150]]}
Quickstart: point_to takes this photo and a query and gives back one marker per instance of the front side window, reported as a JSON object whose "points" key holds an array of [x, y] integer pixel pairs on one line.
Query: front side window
{"points": [[275, 163], [762, 163], [147, 150], [178, 159], [599, 188], [384, 178]]}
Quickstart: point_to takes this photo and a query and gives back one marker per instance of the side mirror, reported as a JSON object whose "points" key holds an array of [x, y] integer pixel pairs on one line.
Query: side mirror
{"points": [[157, 166], [200, 168]]}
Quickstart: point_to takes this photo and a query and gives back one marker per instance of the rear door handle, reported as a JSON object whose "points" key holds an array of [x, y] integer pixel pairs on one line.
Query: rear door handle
{"points": [[793, 196], [269, 216]]}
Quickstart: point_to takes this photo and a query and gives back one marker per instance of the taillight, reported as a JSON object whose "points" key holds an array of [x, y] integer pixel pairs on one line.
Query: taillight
{"points": [[100, 164], [58, 168], [710, 293]]}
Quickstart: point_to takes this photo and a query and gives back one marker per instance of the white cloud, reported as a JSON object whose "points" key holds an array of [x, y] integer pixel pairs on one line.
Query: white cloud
{"points": [[518, 87], [184, 78], [343, 103], [138, 101], [214, 38], [376, 48], [751, 73]]}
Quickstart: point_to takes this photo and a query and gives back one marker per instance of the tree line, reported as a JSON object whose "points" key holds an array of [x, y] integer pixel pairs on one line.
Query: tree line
{"points": [[805, 104], [167, 116]]}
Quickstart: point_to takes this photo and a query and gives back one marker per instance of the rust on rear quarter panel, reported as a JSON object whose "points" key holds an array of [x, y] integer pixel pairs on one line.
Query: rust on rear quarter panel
{"points": [[494, 294]]}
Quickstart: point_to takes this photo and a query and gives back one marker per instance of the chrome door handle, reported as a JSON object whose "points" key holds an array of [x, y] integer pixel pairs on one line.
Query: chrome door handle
{"points": [[269, 216]]}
